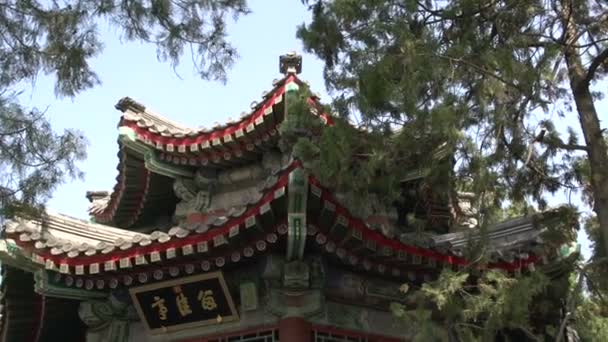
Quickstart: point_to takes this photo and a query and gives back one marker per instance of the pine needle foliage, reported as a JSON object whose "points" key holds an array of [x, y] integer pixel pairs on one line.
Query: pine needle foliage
{"points": [[479, 309], [490, 78], [354, 160], [59, 38], [591, 321], [33, 158]]}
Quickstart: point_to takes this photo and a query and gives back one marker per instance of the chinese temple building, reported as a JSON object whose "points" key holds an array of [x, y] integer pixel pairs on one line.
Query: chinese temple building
{"points": [[219, 235]]}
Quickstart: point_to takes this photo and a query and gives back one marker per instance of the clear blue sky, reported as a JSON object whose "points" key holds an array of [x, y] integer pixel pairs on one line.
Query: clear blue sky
{"points": [[130, 69]]}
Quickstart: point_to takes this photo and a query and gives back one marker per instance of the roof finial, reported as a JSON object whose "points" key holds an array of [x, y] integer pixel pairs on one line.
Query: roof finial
{"points": [[290, 63], [128, 103]]}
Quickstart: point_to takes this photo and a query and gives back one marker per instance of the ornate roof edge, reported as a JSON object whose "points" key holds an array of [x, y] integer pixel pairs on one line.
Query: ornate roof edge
{"points": [[367, 234], [43, 285], [167, 135], [129, 247], [67, 233], [138, 124], [13, 255], [68, 258]]}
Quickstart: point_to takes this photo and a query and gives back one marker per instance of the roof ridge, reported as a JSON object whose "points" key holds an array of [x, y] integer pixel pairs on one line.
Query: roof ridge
{"points": [[135, 111], [166, 121], [83, 224]]}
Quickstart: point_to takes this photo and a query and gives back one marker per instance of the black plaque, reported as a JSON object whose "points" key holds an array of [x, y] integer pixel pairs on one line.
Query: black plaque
{"points": [[184, 303]]}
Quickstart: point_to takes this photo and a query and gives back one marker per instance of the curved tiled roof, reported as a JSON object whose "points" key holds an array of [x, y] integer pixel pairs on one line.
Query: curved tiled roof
{"points": [[402, 251], [76, 247], [64, 235], [221, 146], [202, 146], [71, 245]]}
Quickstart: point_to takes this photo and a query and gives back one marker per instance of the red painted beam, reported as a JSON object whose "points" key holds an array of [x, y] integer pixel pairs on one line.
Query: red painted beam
{"points": [[295, 329]]}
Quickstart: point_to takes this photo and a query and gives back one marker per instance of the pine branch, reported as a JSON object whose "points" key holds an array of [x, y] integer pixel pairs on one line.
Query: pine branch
{"points": [[594, 288], [479, 69], [538, 138], [571, 302], [568, 147], [595, 64]]}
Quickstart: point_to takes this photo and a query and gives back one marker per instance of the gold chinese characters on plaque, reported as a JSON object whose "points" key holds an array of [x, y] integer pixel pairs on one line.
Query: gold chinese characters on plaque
{"points": [[184, 303]]}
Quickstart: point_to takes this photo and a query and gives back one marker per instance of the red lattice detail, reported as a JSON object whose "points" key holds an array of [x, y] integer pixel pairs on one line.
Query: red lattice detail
{"points": [[331, 334], [257, 334]]}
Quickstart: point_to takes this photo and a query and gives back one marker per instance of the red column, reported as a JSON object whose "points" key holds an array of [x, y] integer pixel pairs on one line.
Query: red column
{"points": [[294, 329]]}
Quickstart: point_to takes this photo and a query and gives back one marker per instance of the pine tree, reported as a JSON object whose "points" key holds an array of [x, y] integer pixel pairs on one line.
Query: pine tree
{"points": [[59, 38], [492, 79]]}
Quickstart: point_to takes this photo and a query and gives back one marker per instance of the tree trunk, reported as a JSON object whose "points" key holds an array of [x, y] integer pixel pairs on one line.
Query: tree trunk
{"points": [[598, 157], [590, 125]]}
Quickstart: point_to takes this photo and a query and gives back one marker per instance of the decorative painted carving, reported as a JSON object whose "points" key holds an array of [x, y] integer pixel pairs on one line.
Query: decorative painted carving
{"points": [[225, 199], [46, 286], [377, 215], [466, 218], [204, 178], [202, 200], [293, 287], [384, 290], [296, 218], [107, 320], [317, 273], [128, 137], [184, 189], [273, 161], [376, 293], [353, 286], [249, 296], [153, 164], [240, 174], [273, 270], [193, 199], [296, 275], [211, 193]]}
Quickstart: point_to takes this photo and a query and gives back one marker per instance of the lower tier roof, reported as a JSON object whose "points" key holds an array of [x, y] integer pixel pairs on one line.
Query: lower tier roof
{"points": [[93, 251]]}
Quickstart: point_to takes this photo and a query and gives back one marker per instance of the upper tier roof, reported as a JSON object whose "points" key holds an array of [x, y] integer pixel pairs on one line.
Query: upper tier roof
{"points": [[154, 149], [221, 145]]}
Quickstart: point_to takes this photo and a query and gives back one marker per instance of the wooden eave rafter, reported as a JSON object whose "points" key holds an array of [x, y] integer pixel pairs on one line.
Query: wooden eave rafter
{"points": [[129, 167], [31, 316]]}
